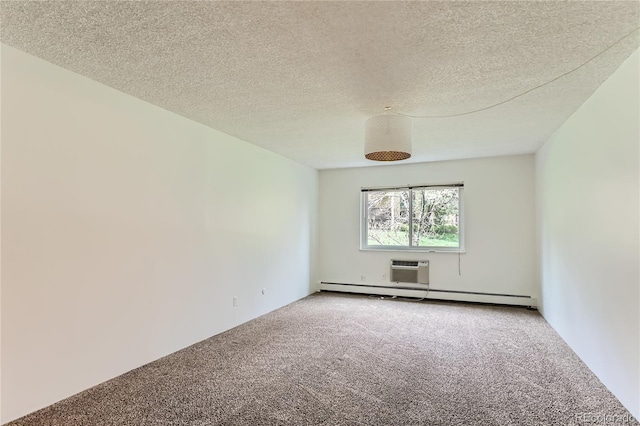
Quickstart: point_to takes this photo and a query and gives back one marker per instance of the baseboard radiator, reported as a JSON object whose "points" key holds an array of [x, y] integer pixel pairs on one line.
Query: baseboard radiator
{"points": [[431, 293]]}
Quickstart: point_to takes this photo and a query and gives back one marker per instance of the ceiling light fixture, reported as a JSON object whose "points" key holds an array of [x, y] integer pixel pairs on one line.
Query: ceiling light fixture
{"points": [[387, 137]]}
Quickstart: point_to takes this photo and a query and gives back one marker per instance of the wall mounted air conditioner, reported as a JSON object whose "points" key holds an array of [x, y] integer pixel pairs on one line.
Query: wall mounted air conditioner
{"points": [[409, 271]]}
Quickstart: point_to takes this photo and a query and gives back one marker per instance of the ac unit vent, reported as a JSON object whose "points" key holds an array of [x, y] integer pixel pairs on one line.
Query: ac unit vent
{"points": [[409, 271], [413, 263]]}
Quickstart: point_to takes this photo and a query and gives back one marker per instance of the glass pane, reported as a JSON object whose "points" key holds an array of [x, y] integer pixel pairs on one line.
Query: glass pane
{"points": [[388, 217], [435, 217]]}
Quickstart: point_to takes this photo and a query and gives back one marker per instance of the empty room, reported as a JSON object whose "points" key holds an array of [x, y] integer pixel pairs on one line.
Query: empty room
{"points": [[321, 213]]}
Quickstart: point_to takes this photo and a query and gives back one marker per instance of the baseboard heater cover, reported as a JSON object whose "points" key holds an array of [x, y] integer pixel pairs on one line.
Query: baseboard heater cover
{"points": [[436, 294]]}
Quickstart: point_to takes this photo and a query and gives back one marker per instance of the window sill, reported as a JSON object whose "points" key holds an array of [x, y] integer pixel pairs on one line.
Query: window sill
{"points": [[416, 250]]}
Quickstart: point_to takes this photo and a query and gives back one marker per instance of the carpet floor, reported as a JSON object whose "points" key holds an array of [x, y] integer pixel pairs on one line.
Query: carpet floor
{"points": [[338, 359]]}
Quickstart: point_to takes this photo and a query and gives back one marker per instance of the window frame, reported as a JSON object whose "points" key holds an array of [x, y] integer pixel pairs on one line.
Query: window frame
{"points": [[364, 219]]}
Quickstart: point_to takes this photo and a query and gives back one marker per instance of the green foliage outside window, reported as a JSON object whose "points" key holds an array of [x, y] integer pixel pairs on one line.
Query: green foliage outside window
{"points": [[434, 218]]}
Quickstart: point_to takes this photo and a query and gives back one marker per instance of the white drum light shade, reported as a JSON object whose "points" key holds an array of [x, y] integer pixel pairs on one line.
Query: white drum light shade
{"points": [[387, 138]]}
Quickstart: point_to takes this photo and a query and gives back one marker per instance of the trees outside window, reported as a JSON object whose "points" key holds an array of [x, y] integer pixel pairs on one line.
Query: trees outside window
{"points": [[418, 218]]}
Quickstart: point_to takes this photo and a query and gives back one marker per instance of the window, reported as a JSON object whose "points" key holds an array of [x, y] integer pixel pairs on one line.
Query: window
{"points": [[421, 218]]}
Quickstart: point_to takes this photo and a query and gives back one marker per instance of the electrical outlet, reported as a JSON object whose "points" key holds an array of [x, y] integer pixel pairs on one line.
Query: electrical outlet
{"points": [[235, 300], [363, 278], [384, 277]]}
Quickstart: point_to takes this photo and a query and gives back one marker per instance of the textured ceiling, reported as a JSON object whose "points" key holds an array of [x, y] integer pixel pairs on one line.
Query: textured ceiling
{"points": [[301, 78]]}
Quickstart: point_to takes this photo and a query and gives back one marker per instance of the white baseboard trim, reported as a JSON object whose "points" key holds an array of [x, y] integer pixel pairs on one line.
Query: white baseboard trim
{"points": [[435, 294]]}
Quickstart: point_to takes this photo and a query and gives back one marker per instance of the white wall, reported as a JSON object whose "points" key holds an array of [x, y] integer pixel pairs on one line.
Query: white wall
{"points": [[499, 225], [127, 230], [589, 223], [0, 239]]}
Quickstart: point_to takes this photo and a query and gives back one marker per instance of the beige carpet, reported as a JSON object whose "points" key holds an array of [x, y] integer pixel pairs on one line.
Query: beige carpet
{"points": [[336, 359]]}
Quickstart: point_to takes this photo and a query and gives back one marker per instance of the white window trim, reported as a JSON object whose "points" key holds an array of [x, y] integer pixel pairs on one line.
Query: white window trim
{"points": [[364, 221]]}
